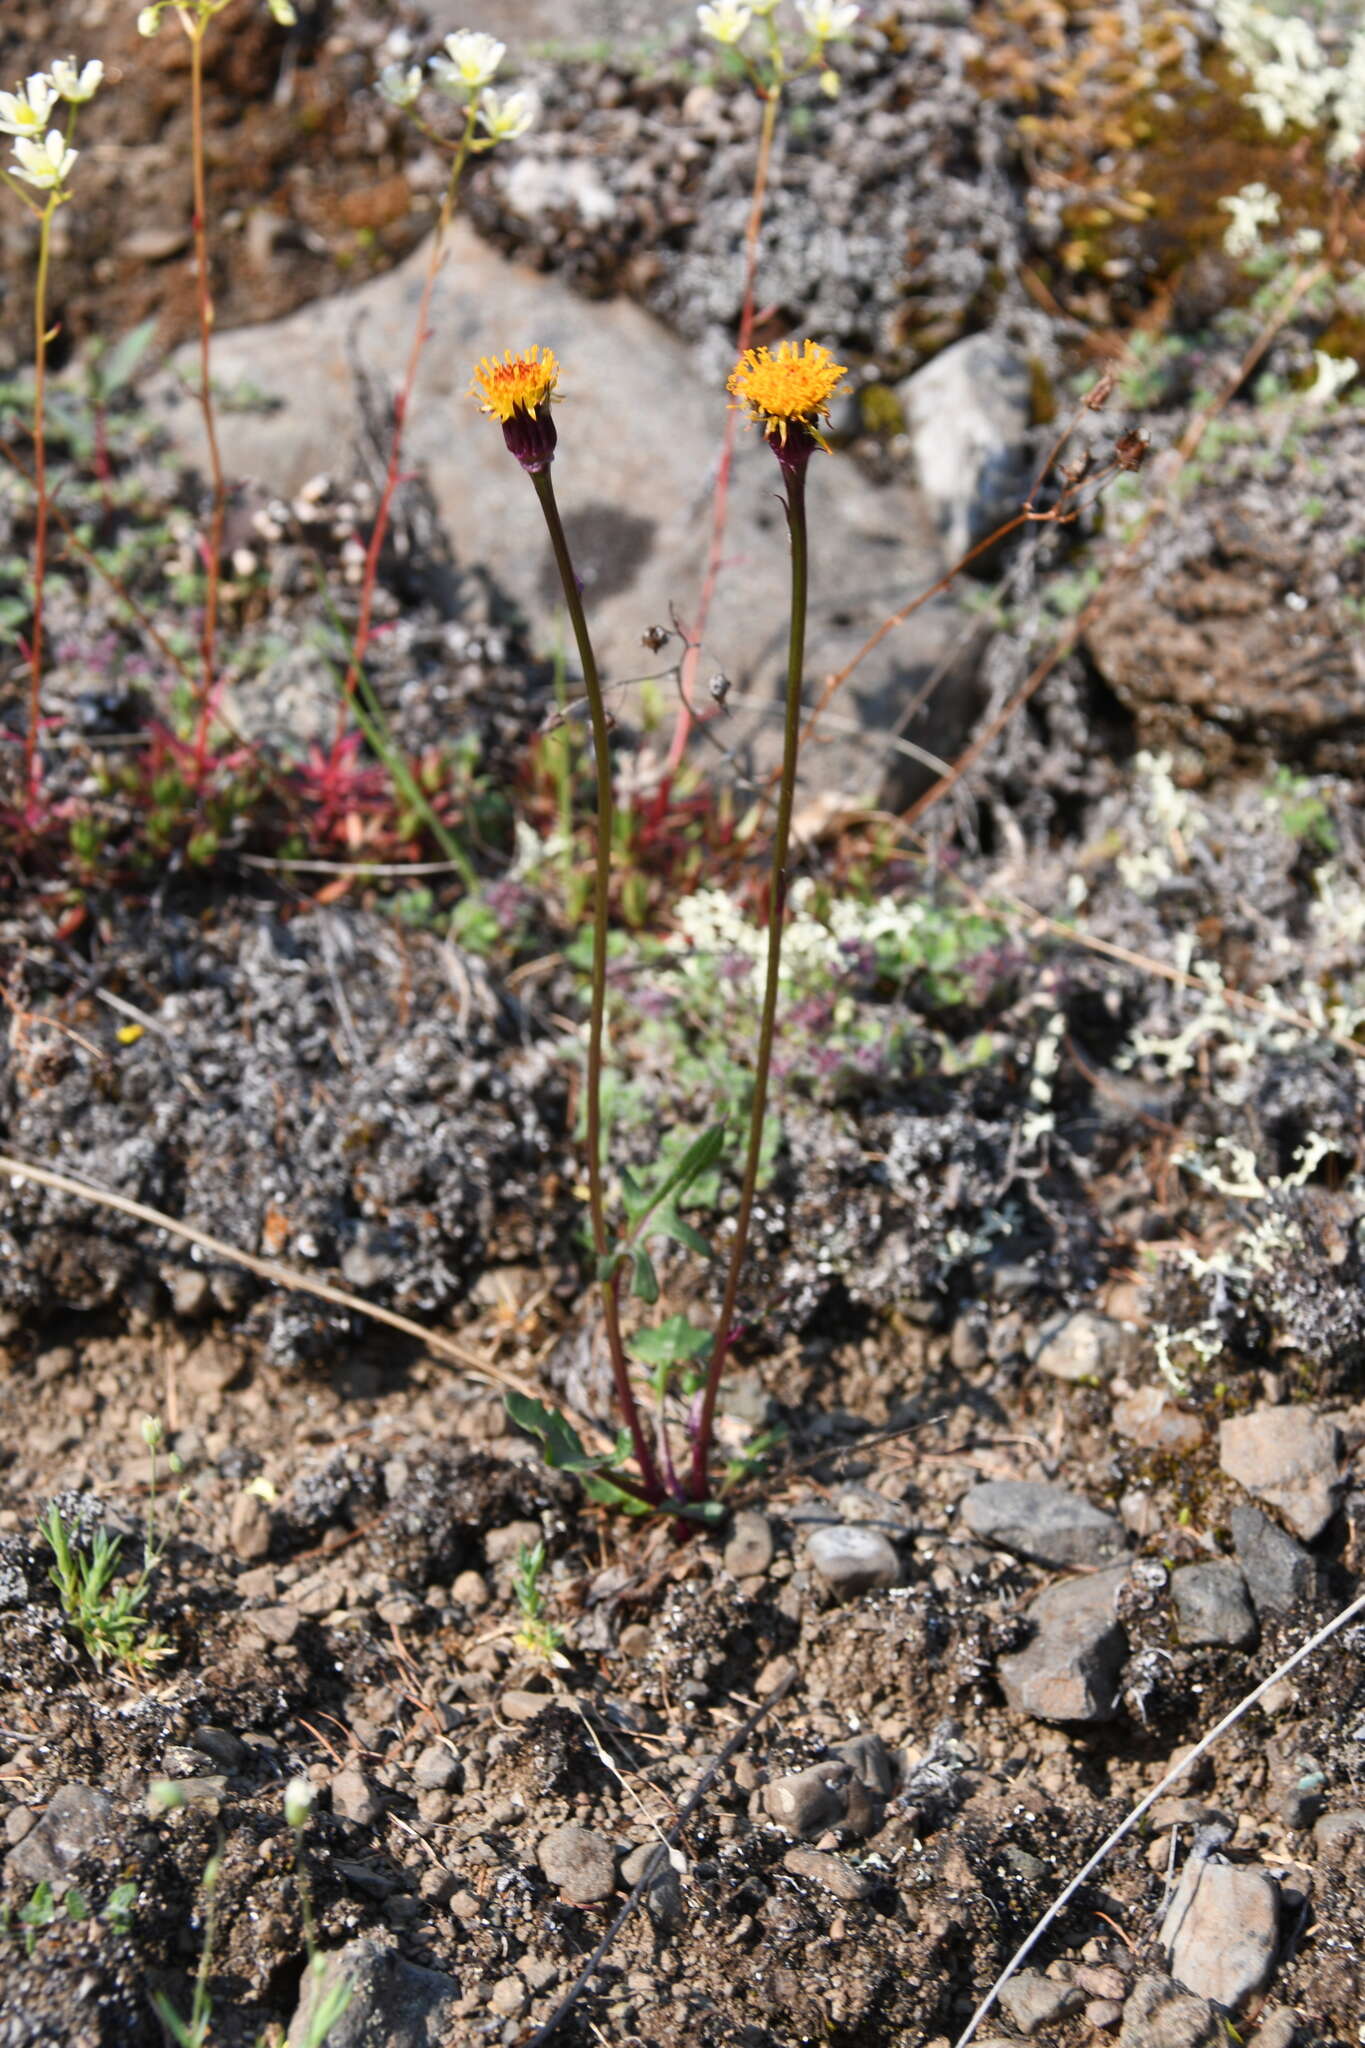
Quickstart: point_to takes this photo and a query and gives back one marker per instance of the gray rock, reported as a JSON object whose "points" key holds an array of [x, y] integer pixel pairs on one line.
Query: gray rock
{"points": [[581, 1862], [1222, 1931], [1333, 1833], [637, 448], [1159, 2014], [394, 2004], [825, 1795], [1034, 2001], [222, 1747], [663, 1898], [854, 1559], [77, 1818], [1069, 1672], [1152, 1417], [968, 412], [1279, 1572], [749, 1550], [1289, 1457], [870, 1761], [249, 1527], [1083, 1346], [832, 1872], [1279, 2028], [436, 1770], [355, 1798], [1045, 1523], [1212, 1606]]}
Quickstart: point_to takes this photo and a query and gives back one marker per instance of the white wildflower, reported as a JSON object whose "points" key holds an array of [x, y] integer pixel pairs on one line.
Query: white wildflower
{"points": [[1334, 373], [25, 112], [400, 84], [470, 62], [46, 164], [1253, 208], [282, 11], [827, 21], [299, 1801], [76, 84], [725, 21], [506, 119], [149, 21]]}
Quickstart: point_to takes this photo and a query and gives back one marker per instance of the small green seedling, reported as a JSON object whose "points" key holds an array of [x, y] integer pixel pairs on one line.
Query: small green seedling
{"points": [[105, 1613], [537, 1633]]}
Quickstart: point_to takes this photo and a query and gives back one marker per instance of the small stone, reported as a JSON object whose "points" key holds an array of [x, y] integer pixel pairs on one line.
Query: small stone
{"points": [[1279, 2028], [636, 1641], [870, 1761], [750, 1548], [1153, 1418], [249, 1528], [1081, 1347], [391, 2000], [523, 1706], [663, 1899], [76, 1819], [436, 1770], [1290, 1458], [355, 1798], [470, 1589], [1212, 1606], [1103, 2012], [222, 1747], [1034, 2001], [832, 1872], [1333, 1833], [277, 1624], [1045, 1523], [774, 1673], [505, 1545], [507, 1998], [1279, 1572], [1159, 2014], [1222, 1931], [1069, 1672], [581, 1862], [212, 1366], [805, 1802], [854, 1559]]}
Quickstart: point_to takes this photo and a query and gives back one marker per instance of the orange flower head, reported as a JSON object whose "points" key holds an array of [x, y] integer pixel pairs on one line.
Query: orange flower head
{"points": [[787, 391], [519, 391]]}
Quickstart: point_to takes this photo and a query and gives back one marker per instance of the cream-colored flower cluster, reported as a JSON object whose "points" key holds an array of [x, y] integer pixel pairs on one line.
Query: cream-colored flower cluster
{"points": [[149, 20], [463, 69], [824, 21], [42, 152]]}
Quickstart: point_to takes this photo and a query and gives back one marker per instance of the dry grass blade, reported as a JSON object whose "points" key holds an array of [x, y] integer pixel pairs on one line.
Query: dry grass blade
{"points": [[265, 1269], [1130, 1821]]}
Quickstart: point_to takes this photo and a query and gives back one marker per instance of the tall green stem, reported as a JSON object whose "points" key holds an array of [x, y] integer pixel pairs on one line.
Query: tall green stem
{"points": [[597, 713], [777, 906], [35, 682]]}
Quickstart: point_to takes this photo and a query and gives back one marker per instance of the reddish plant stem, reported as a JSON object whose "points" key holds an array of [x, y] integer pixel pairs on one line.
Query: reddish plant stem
{"points": [[208, 637], [720, 500], [401, 406]]}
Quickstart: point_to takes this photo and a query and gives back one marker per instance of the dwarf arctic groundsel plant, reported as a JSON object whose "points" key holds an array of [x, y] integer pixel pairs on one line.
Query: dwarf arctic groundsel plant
{"points": [[786, 392], [39, 173]]}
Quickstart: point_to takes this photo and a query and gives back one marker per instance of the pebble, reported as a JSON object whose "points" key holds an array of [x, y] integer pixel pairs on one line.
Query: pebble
{"points": [[581, 1862], [436, 1769], [1069, 1672], [1334, 1832], [1279, 1572], [277, 1624], [77, 1817], [1160, 2014], [825, 1795], [1222, 1931], [524, 1706], [470, 1589], [853, 1559], [749, 1551], [249, 1528], [1152, 1417], [635, 1641], [1289, 1457], [1212, 1605], [392, 2000], [1034, 2001], [507, 1998], [1279, 2028], [222, 1747], [871, 1762], [355, 1798], [1084, 1346], [830, 1871], [663, 1899], [1044, 1523], [504, 1545]]}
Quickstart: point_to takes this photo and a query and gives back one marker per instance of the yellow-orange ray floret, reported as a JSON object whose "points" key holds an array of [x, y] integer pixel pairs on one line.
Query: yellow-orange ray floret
{"points": [[517, 383], [787, 386]]}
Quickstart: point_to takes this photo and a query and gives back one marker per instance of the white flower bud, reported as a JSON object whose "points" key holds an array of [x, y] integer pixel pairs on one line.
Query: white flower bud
{"points": [[725, 21], [299, 1801]]}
